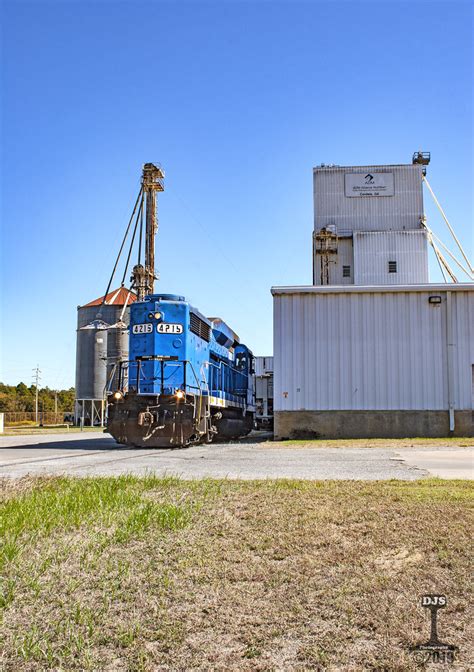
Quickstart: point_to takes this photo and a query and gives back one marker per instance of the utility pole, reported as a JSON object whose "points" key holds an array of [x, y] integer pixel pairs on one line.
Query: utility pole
{"points": [[36, 378], [55, 405]]}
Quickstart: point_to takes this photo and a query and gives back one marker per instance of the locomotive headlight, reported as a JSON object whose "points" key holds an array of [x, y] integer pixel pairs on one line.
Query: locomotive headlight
{"points": [[179, 394], [155, 316], [118, 395]]}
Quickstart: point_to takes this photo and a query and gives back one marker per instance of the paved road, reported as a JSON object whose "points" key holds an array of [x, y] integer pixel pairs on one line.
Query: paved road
{"points": [[96, 453], [442, 462]]}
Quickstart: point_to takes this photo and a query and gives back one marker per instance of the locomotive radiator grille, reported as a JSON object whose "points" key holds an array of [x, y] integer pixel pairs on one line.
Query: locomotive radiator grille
{"points": [[199, 327]]}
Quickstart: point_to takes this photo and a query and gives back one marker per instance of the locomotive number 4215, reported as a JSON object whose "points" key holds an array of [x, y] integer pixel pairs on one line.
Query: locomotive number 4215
{"points": [[169, 328], [142, 328]]}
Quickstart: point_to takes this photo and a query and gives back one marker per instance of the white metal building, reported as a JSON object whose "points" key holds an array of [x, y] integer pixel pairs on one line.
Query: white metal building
{"points": [[373, 361], [371, 349], [368, 198], [264, 392], [368, 225]]}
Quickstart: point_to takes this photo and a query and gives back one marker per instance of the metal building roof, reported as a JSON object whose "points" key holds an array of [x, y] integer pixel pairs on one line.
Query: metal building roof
{"points": [[372, 166], [118, 297], [363, 289]]}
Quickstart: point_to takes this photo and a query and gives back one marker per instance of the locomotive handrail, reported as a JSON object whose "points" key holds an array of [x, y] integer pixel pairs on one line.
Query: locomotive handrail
{"points": [[141, 378], [199, 387]]}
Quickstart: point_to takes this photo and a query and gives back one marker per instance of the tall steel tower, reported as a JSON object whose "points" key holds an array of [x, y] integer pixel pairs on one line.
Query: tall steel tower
{"points": [[143, 277]]}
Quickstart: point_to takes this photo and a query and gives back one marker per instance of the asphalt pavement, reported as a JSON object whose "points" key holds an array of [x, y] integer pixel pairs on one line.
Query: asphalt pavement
{"points": [[95, 453]]}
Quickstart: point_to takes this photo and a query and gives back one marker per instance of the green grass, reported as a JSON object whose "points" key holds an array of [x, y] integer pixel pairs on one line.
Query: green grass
{"points": [[154, 573], [68, 503]]}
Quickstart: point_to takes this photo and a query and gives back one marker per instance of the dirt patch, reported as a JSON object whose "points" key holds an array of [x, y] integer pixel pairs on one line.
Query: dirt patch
{"points": [[398, 560]]}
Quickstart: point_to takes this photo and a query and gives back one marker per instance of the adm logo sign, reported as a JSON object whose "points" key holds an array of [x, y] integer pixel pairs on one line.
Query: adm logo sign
{"points": [[434, 650], [358, 185]]}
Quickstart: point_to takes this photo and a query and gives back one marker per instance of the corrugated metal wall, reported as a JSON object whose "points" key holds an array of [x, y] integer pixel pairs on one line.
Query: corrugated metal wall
{"points": [[108, 314], [401, 211], [91, 349], [263, 365], [344, 257], [264, 387], [373, 251], [370, 350]]}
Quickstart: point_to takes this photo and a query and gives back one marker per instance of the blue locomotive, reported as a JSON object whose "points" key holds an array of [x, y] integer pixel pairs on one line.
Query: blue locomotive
{"points": [[188, 379]]}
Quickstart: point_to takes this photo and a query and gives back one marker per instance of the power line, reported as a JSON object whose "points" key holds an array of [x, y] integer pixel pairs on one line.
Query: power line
{"points": [[36, 378]]}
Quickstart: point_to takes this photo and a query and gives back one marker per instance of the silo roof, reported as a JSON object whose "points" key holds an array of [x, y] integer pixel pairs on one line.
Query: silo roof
{"points": [[118, 297]]}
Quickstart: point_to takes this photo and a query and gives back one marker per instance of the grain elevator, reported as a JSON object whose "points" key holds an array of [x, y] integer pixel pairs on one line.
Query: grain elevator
{"points": [[102, 341], [371, 348]]}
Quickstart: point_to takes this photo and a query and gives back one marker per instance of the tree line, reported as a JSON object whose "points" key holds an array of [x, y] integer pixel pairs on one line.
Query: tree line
{"points": [[21, 398]]}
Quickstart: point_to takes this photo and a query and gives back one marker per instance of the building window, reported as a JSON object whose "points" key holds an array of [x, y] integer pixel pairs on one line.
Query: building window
{"points": [[392, 266], [346, 271]]}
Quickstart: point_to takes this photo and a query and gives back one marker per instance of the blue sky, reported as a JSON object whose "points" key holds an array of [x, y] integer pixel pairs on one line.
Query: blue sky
{"points": [[237, 101]]}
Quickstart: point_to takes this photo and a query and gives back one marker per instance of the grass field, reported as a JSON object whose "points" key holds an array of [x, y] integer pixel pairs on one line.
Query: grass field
{"points": [[161, 574], [61, 429]]}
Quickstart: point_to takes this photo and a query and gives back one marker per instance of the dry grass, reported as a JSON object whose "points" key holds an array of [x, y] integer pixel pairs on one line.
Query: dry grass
{"points": [[416, 442], [161, 574], [10, 430]]}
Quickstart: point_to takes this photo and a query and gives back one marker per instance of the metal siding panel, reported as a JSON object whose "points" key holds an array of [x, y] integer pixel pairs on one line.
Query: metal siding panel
{"points": [[392, 355], [263, 365], [370, 351], [344, 257], [401, 211], [424, 369], [437, 330], [309, 391], [413, 346], [356, 360], [373, 251], [91, 348], [108, 314], [463, 309], [442, 336], [298, 352], [344, 340], [277, 350], [381, 366], [318, 323]]}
